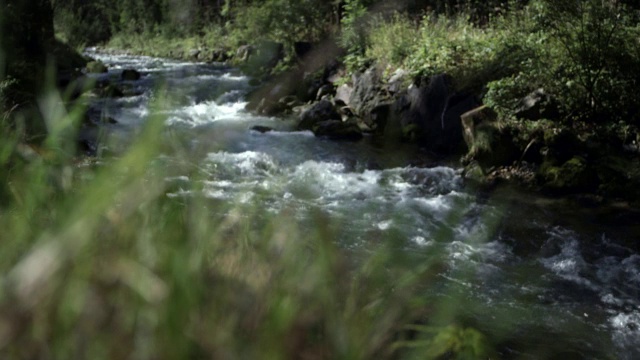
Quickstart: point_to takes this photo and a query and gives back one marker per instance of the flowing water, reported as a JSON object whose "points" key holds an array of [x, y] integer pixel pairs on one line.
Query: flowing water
{"points": [[565, 279]]}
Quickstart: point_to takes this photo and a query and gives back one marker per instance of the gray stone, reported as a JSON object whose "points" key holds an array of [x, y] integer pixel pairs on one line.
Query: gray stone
{"points": [[343, 94], [318, 112]]}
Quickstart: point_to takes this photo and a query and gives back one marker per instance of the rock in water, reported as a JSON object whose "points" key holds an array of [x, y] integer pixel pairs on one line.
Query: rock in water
{"points": [[261, 129], [130, 75], [337, 130], [96, 67]]}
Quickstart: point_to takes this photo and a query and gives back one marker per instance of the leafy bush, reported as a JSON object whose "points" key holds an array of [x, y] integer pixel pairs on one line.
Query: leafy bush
{"points": [[582, 52]]}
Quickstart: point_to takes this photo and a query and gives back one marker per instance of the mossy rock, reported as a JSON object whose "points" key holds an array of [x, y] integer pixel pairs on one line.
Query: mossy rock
{"points": [[96, 67], [492, 143], [474, 175], [573, 176], [495, 145], [618, 177]]}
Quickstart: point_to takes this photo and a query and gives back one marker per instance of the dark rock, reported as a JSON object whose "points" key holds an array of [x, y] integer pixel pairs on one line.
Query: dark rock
{"points": [[561, 144], [219, 55], [109, 120], [130, 75], [379, 115], [318, 112], [109, 90], [618, 176], [337, 130], [261, 129], [324, 90], [302, 48], [432, 113], [96, 67]]}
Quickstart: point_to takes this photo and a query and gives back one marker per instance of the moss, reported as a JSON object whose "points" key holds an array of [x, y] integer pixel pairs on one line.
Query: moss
{"points": [[96, 67], [618, 177], [571, 177]]}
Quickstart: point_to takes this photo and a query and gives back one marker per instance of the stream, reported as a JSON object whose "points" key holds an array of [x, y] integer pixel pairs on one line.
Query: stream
{"points": [[512, 261]]}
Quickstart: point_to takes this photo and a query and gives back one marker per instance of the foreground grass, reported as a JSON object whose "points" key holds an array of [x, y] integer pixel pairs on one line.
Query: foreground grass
{"points": [[97, 262]]}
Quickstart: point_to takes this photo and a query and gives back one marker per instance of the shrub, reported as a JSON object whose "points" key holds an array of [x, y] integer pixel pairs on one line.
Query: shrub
{"points": [[583, 52]]}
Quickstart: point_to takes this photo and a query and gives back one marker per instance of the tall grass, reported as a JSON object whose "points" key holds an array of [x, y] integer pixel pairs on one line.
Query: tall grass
{"points": [[98, 262]]}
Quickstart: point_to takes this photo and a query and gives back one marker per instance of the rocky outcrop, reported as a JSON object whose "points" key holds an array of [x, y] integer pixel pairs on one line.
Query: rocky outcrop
{"points": [[430, 113], [318, 112]]}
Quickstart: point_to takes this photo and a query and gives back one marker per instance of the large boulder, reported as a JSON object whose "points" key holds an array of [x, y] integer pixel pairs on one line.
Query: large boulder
{"points": [[343, 94], [318, 112], [490, 143], [431, 112], [366, 91], [367, 99]]}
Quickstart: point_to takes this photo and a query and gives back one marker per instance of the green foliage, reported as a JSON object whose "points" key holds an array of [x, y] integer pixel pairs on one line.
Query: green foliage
{"points": [[582, 52], [284, 21], [392, 41], [353, 36], [599, 47], [81, 22], [451, 342]]}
